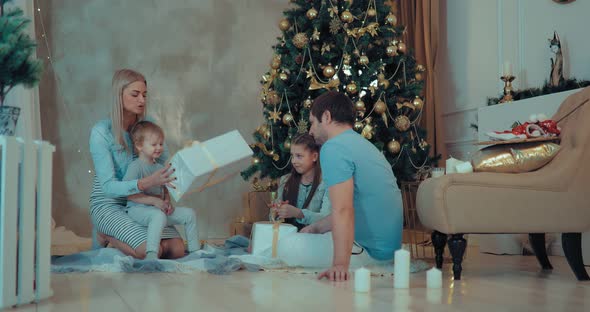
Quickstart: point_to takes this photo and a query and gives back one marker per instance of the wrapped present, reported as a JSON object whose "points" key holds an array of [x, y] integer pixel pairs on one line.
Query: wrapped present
{"points": [[203, 164], [241, 227], [266, 235]]}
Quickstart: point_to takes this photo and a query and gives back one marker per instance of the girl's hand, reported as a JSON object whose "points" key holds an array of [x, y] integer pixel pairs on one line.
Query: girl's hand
{"points": [[289, 211]]}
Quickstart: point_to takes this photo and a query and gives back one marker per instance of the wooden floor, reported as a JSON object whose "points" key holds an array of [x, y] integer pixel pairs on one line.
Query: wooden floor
{"points": [[490, 283]]}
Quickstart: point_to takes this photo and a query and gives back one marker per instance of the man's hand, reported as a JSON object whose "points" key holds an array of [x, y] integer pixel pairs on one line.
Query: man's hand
{"points": [[337, 273], [311, 229]]}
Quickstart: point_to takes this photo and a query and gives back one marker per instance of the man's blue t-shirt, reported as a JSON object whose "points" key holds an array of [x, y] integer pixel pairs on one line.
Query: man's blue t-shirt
{"points": [[378, 212]]}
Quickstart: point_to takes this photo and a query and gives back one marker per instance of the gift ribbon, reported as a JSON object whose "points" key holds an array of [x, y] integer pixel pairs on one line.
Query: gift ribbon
{"points": [[275, 238]]}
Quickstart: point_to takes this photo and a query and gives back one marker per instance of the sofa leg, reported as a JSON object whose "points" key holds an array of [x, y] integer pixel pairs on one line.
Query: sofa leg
{"points": [[572, 248], [439, 241], [538, 243], [457, 245]]}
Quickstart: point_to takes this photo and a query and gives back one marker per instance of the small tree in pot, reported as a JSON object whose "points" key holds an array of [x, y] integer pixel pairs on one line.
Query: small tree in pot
{"points": [[17, 64]]}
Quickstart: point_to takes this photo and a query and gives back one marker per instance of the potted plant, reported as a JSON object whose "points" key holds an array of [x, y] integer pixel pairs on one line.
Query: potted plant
{"points": [[17, 63]]}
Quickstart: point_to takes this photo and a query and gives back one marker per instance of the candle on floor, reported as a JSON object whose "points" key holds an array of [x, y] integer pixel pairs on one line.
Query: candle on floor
{"points": [[450, 165], [434, 278], [464, 167], [401, 269], [362, 280]]}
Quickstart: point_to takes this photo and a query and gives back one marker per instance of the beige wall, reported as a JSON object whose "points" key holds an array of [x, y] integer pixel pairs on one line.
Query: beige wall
{"points": [[203, 60]]}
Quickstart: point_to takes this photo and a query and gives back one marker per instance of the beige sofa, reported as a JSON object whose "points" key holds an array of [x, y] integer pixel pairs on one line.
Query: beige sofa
{"points": [[553, 199]]}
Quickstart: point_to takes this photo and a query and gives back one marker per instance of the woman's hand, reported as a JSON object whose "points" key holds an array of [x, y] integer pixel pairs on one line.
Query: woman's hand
{"points": [[160, 177], [288, 211]]}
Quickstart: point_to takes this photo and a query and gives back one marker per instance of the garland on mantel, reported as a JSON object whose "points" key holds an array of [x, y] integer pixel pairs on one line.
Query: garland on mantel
{"points": [[569, 84]]}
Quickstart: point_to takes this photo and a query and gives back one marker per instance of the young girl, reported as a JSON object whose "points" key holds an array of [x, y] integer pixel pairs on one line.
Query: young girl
{"points": [[152, 208], [303, 197]]}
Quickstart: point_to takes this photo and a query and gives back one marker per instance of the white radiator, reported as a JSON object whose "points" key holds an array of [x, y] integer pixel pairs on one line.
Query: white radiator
{"points": [[25, 220]]}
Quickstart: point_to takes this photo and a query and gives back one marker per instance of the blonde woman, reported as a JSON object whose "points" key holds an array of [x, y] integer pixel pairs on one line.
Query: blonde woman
{"points": [[112, 152]]}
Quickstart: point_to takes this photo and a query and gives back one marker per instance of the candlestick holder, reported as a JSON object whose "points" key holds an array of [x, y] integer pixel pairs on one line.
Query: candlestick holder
{"points": [[507, 88]]}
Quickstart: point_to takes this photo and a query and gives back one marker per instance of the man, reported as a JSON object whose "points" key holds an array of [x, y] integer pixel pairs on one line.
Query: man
{"points": [[366, 201]]}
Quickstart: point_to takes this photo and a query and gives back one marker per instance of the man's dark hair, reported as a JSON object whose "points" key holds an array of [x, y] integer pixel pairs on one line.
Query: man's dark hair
{"points": [[338, 104]]}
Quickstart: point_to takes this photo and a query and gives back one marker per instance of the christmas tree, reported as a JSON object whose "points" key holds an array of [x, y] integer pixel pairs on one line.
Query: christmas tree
{"points": [[355, 47], [16, 48]]}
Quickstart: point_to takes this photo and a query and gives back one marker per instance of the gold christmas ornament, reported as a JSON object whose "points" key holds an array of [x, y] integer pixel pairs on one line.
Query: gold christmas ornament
{"points": [[359, 106], [284, 24], [420, 67], [316, 35], [329, 71], [391, 50], [423, 144], [300, 40], [382, 81], [346, 59], [419, 76], [307, 103], [267, 134], [287, 144], [276, 62], [368, 130], [391, 19], [287, 119], [283, 76], [393, 146], [311, 13], [358, 126], [402, 48], [402, 123], [363, 60], [255, 160], [272, 98], [302, 126], [371, 12], [380, 107], [351, 88], [346, 16], [274, 116], [418, 103]]}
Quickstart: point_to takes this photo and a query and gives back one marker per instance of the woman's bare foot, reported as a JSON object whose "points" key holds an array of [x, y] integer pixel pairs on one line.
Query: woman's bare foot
{"points": [[103, 240]]}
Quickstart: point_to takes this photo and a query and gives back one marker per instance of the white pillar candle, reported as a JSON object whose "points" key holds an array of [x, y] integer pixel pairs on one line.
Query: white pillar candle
{"points": [[507, 69], [450, 165], [434, 278], [464, 167], [362, 280], [401, 269]]}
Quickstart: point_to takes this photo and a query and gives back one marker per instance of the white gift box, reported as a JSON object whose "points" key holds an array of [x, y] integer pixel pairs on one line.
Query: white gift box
{"points": [[203, 164], [266, 236]]}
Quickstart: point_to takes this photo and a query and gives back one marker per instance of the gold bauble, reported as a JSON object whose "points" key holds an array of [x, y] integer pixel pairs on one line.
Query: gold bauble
{"points": [[364, 60], [371, 12], [283, 76], [382, 81], [368, 132], [380, 107], [359, 106], [346, 16], [284, 24], [402, 48], [351, 88], [311, 13], [267, 134], [421, 68], [393, 146], [276, 62], [272, 98], [329, 71], [287, 118], [419, 76], [287, 144], [391, 19], [358, 126], [402, 123], [418, 103], [391, 50], [300, 40], [255, 160], [307, 103]]}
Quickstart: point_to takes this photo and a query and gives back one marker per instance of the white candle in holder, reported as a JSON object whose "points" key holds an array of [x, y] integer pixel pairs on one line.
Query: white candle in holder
{"points": [[507, 69], [401, 269], [433, 278], [362, 280]]}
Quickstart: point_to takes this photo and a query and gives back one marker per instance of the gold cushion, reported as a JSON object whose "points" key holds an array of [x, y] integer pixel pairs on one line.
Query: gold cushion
{"points": [[514, 158]]}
